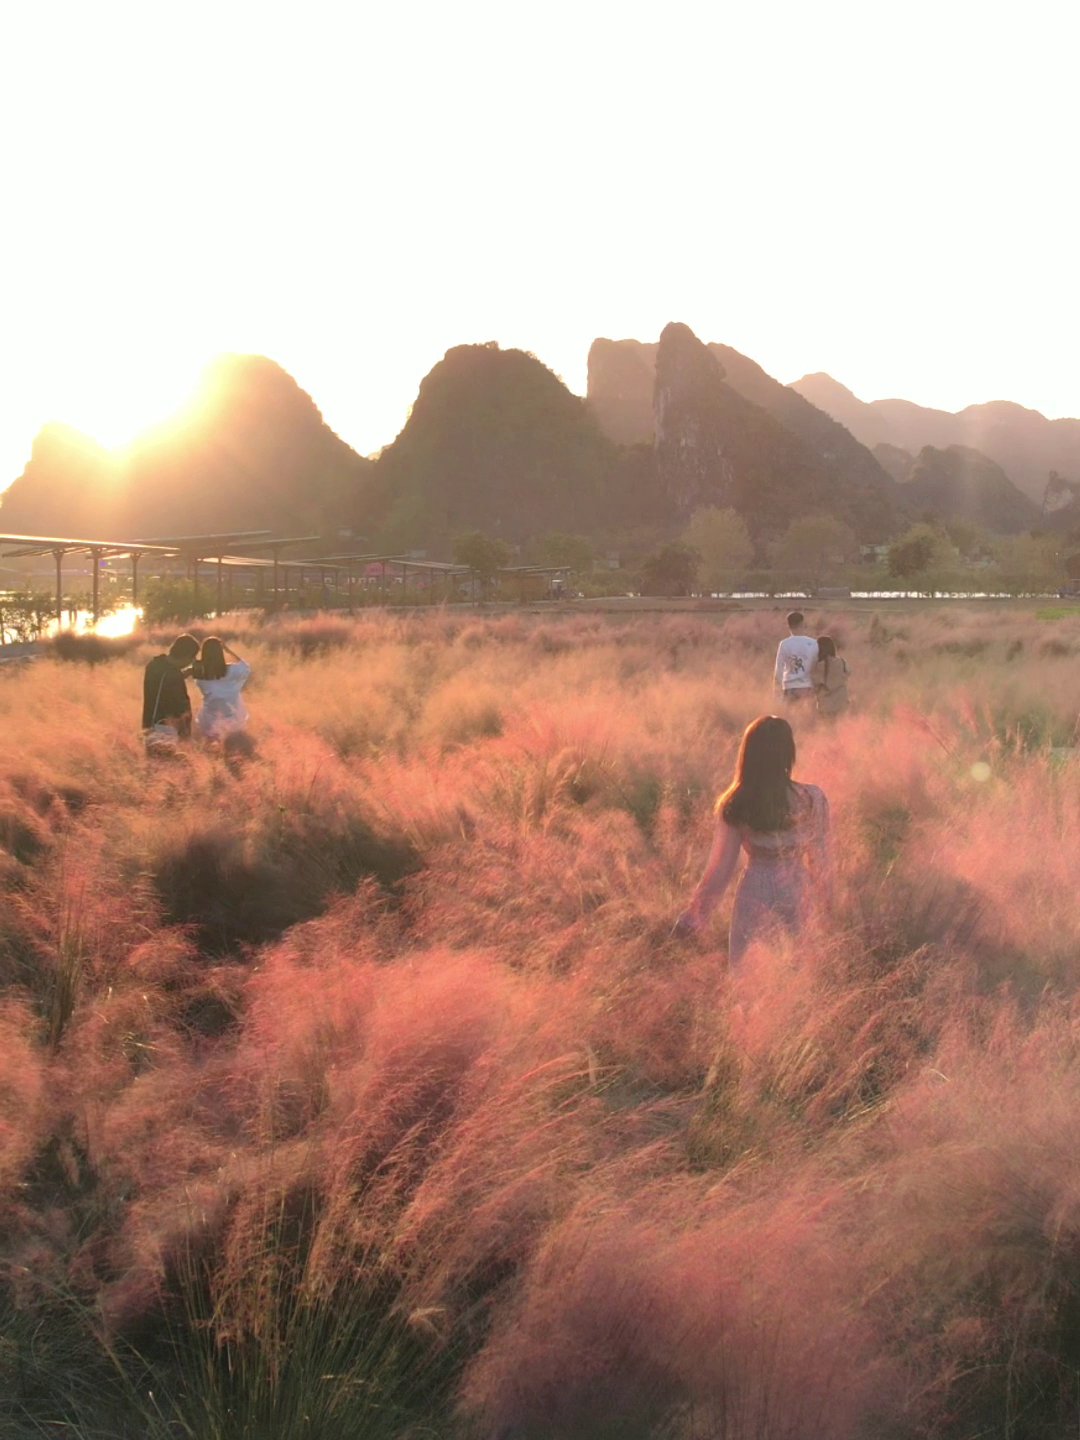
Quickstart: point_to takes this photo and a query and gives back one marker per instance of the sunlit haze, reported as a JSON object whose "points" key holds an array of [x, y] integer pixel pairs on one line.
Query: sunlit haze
{"points": [[882, 191]]}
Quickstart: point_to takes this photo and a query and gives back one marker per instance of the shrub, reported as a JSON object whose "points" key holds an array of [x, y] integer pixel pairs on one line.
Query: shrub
{"points": [[90, 648], [171, 600]]}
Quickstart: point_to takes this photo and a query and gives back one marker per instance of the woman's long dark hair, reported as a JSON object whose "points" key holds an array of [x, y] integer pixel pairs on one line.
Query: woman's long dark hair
{"points": [[760, 795], [826, 647], [213, 659]]}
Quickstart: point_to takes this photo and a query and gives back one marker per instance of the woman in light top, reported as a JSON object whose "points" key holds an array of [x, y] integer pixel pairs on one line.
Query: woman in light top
{"points": [[830, 677], [223, 710], [781, 825]]}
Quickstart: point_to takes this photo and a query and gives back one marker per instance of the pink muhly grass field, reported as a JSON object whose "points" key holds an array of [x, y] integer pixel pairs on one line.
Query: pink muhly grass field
{"points": [[360, 1083]]}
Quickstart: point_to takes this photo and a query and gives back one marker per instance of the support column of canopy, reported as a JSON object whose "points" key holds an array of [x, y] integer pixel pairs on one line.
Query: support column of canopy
{"points": [[95, 587], [58, 556], [220, 593]]}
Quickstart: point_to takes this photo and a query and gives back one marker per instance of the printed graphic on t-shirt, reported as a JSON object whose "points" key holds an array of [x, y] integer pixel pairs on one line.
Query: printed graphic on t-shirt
{"points": [[795, 657]]}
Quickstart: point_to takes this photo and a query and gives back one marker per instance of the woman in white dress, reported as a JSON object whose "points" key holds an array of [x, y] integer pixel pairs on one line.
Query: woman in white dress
{"points": [[223, 712]]}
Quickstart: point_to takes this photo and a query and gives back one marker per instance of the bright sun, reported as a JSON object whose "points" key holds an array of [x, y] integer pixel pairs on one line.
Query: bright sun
{"points": [[122, 398]]}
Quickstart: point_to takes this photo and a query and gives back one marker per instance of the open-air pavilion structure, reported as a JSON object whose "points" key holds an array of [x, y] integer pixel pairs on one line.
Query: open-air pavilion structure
{"points": [[400, 565], [193, 550], [222, 551], [544, 574], [197, 549], [32, 546]]}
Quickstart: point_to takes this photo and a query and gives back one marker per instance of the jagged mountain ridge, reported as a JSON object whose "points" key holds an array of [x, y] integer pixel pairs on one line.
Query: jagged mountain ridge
{"points": [[1024, 443], [723, 408], [621, 395], [963, 484], [251, 451]]}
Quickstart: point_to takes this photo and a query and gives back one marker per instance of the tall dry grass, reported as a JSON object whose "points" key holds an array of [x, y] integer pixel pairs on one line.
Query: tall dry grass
{"points": [[359, 1084]]}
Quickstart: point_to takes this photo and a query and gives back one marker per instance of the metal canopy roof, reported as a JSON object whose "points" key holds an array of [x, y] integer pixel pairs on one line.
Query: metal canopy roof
{"points": [[275, 541], [533, 569], [314, 562], [241, 562], [394, 560], [355, 558], [340, 562], [48, 544], [185, 542]]}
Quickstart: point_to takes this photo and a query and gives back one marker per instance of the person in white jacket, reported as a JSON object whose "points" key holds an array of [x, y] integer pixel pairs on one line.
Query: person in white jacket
{"points": [[223, 714], [795, 660]]}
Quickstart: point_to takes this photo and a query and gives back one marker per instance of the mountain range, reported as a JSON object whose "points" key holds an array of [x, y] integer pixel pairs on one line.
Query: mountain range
{"points": [[963, 465], [1024, 443], [495, 441]]}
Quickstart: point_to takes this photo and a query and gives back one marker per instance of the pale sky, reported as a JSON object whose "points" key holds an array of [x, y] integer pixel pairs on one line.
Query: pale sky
{"points": [[883, 190]]}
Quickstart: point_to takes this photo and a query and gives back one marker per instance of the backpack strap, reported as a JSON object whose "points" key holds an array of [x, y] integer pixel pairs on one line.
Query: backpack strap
{"points": [[157, 702]]}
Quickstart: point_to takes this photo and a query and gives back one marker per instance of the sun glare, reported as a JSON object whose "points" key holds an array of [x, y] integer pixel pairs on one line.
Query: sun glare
{"points": [[121, 622], [121, 401]]}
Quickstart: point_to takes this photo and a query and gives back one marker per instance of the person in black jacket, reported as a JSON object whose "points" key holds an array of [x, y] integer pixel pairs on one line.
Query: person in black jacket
{"points": [[165, 696]]}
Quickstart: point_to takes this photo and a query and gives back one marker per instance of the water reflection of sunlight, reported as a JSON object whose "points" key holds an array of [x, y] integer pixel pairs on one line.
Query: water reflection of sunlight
{"points": [[121, 621]]}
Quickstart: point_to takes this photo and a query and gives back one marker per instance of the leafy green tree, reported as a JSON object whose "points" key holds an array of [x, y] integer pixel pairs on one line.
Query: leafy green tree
{"points": [[965, 536], [483, 554], [914, 553], [816, 549], [672, 570], [167, 600], [573, 552], [722, 540], [1030, 560]]}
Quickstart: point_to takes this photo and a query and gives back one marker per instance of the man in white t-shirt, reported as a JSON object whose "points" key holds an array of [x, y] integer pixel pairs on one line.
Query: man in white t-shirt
{"points": [[795, 659]]}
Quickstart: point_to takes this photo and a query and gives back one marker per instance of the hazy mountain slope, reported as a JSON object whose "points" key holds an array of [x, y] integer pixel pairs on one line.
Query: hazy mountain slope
{"points": [[854, 414], [251, 451], [1023, 442], [621, 377], [70, 483], [959, 482], [496, 442], [896, 461], [715, 447], [829, 438]]}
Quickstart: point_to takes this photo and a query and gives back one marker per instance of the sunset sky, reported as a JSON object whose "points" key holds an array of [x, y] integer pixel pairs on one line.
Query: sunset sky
{"points": [[884, 191]]}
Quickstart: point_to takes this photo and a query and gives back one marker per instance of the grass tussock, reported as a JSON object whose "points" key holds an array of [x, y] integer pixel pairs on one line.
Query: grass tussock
{"points": [[360, 1087]]}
